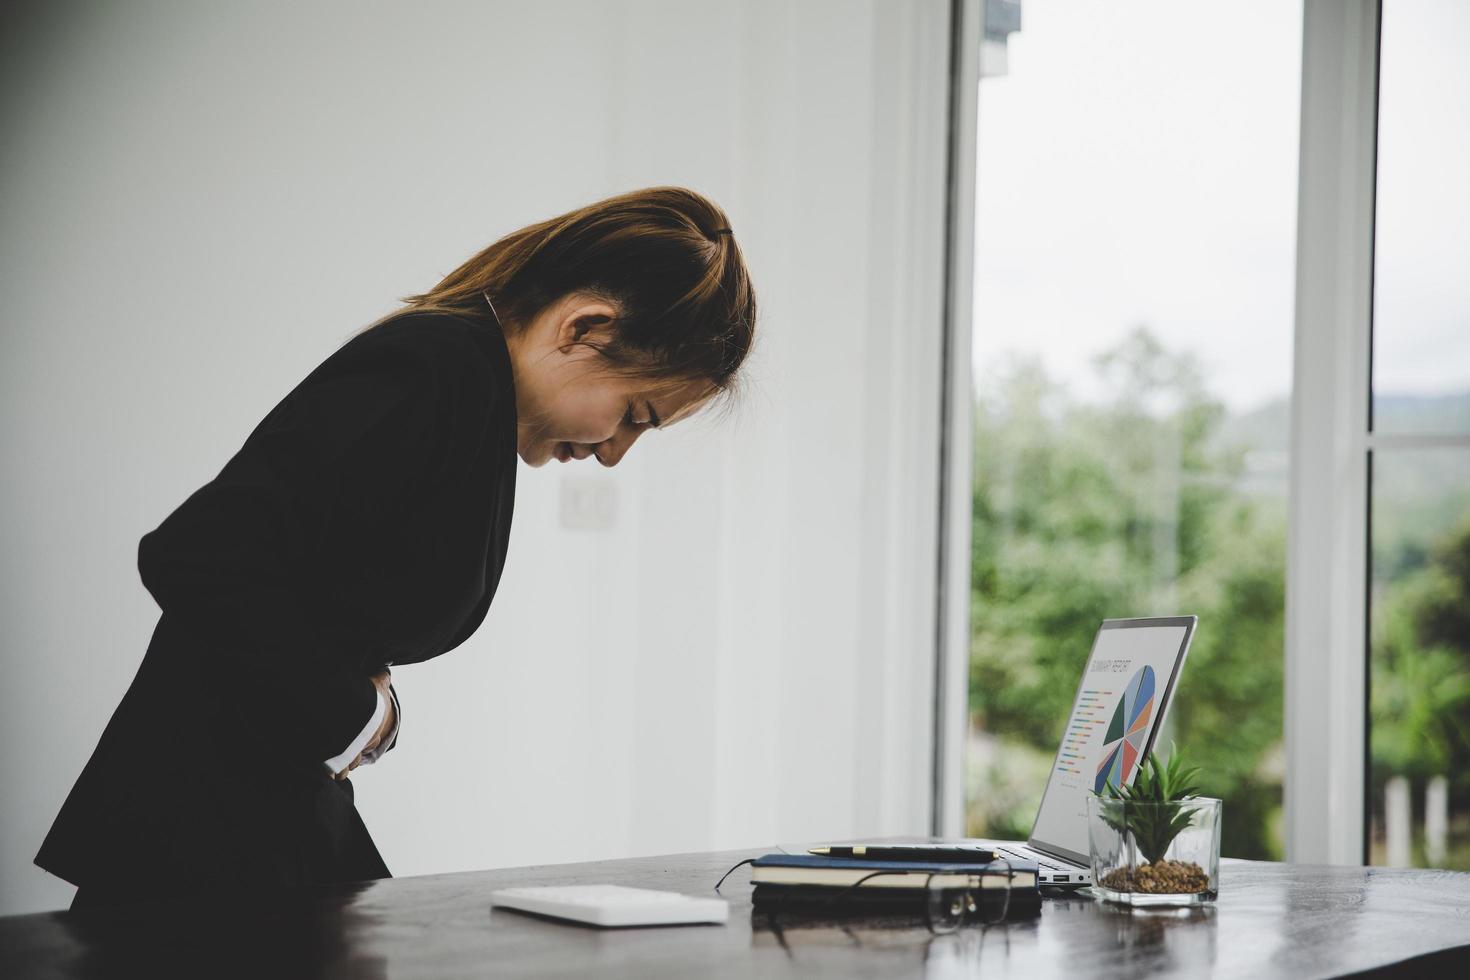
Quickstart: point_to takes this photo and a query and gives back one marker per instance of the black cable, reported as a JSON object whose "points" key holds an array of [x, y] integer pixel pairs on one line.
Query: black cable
{"points": [[732, 871]]}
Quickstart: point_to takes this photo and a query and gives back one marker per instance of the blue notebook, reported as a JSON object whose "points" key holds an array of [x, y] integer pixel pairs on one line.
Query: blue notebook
{"points": [[824, 884], [841, 872]]}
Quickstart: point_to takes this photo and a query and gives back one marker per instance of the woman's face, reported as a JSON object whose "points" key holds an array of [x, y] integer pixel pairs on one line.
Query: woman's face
{"points": [[570, 403]]}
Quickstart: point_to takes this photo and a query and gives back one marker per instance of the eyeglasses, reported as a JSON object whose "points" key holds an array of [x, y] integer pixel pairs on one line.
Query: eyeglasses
{"points": [[951, 899], [983, 898]]}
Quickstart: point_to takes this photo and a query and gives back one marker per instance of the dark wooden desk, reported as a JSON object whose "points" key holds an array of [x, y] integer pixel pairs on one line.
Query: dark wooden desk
{"points": [[1272, 920]]}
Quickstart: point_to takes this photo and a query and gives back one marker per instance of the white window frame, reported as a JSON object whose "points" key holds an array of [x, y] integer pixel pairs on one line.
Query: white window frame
{"points": [[1327, 546], [956, 426]]}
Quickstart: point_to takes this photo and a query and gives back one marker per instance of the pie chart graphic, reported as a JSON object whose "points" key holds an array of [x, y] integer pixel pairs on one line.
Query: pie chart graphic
{"points": [[1127, 732]]}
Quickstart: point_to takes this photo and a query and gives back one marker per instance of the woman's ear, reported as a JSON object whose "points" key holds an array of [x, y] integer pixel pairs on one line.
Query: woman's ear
{"points": [[583, 321]]}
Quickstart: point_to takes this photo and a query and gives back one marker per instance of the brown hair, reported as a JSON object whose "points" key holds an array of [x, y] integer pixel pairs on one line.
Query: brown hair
{"points": [[664, 256]]}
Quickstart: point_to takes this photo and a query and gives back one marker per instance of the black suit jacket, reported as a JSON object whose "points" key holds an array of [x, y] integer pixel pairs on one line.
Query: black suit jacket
{"points": [[363, 523]]}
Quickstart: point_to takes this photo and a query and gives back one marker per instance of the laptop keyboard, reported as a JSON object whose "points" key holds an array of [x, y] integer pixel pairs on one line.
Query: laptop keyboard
{"points": [[1040, 859]]}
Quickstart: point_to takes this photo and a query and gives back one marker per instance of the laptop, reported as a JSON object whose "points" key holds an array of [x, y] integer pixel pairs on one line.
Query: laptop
{"points": [[1125, 691]]}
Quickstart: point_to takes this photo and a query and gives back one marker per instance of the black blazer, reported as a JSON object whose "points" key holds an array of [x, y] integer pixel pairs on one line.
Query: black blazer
{"points": [[363, 523]]}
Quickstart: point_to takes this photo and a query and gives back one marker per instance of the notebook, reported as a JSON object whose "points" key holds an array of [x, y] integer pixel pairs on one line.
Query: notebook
{"points": [[815, 869], [809, 881]]}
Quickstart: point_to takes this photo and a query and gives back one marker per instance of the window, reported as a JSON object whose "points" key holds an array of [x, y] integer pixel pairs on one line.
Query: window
{"points": [[1418, 782], [1134, 273]]}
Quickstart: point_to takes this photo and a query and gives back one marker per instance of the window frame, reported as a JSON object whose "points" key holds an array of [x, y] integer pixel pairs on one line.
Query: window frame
{"points": [[1327, 540], [956, 426]]}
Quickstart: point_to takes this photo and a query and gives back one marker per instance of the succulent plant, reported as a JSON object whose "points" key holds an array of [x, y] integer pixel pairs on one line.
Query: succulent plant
{"points": [[1164, 787]]}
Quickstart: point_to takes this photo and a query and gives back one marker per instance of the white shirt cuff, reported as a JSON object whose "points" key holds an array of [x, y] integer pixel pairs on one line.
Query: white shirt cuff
{"points": [[374, 754], [339, 762]]}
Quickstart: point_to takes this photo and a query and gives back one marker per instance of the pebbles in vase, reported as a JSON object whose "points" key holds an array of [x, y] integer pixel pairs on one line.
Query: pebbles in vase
{"points": [[1162, 878]]}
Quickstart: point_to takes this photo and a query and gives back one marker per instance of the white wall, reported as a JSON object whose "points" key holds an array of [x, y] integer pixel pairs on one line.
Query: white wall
{"points": [[201, 201]]}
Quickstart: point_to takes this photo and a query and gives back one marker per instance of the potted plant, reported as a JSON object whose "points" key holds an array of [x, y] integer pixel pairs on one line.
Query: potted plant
{"points": [[1157, 841]]}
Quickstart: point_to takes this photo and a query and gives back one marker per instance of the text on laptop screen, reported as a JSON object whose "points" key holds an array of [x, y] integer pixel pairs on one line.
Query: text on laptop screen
{"points": [[1117, 708]]}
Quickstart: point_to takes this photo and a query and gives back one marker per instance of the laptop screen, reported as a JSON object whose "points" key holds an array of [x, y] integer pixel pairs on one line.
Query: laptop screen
{"points": [[1124, 692]]}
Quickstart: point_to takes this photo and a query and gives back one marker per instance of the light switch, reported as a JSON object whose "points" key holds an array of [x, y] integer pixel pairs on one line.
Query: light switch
{"points": [[588, 503]]}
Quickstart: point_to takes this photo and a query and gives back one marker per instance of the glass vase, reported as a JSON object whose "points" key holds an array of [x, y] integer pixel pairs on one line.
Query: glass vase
{"points": [[1155, 853]]}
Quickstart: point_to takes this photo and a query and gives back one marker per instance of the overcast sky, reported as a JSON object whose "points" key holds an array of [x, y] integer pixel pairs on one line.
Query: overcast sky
{"points": [[1138, 164]]}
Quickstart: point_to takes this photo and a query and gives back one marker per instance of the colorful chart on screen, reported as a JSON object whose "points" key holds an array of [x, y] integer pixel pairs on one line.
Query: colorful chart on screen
{"points": [[1127, 732]]}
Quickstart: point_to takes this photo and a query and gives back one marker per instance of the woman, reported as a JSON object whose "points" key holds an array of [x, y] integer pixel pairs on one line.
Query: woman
{"points": [[364, 524]]}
